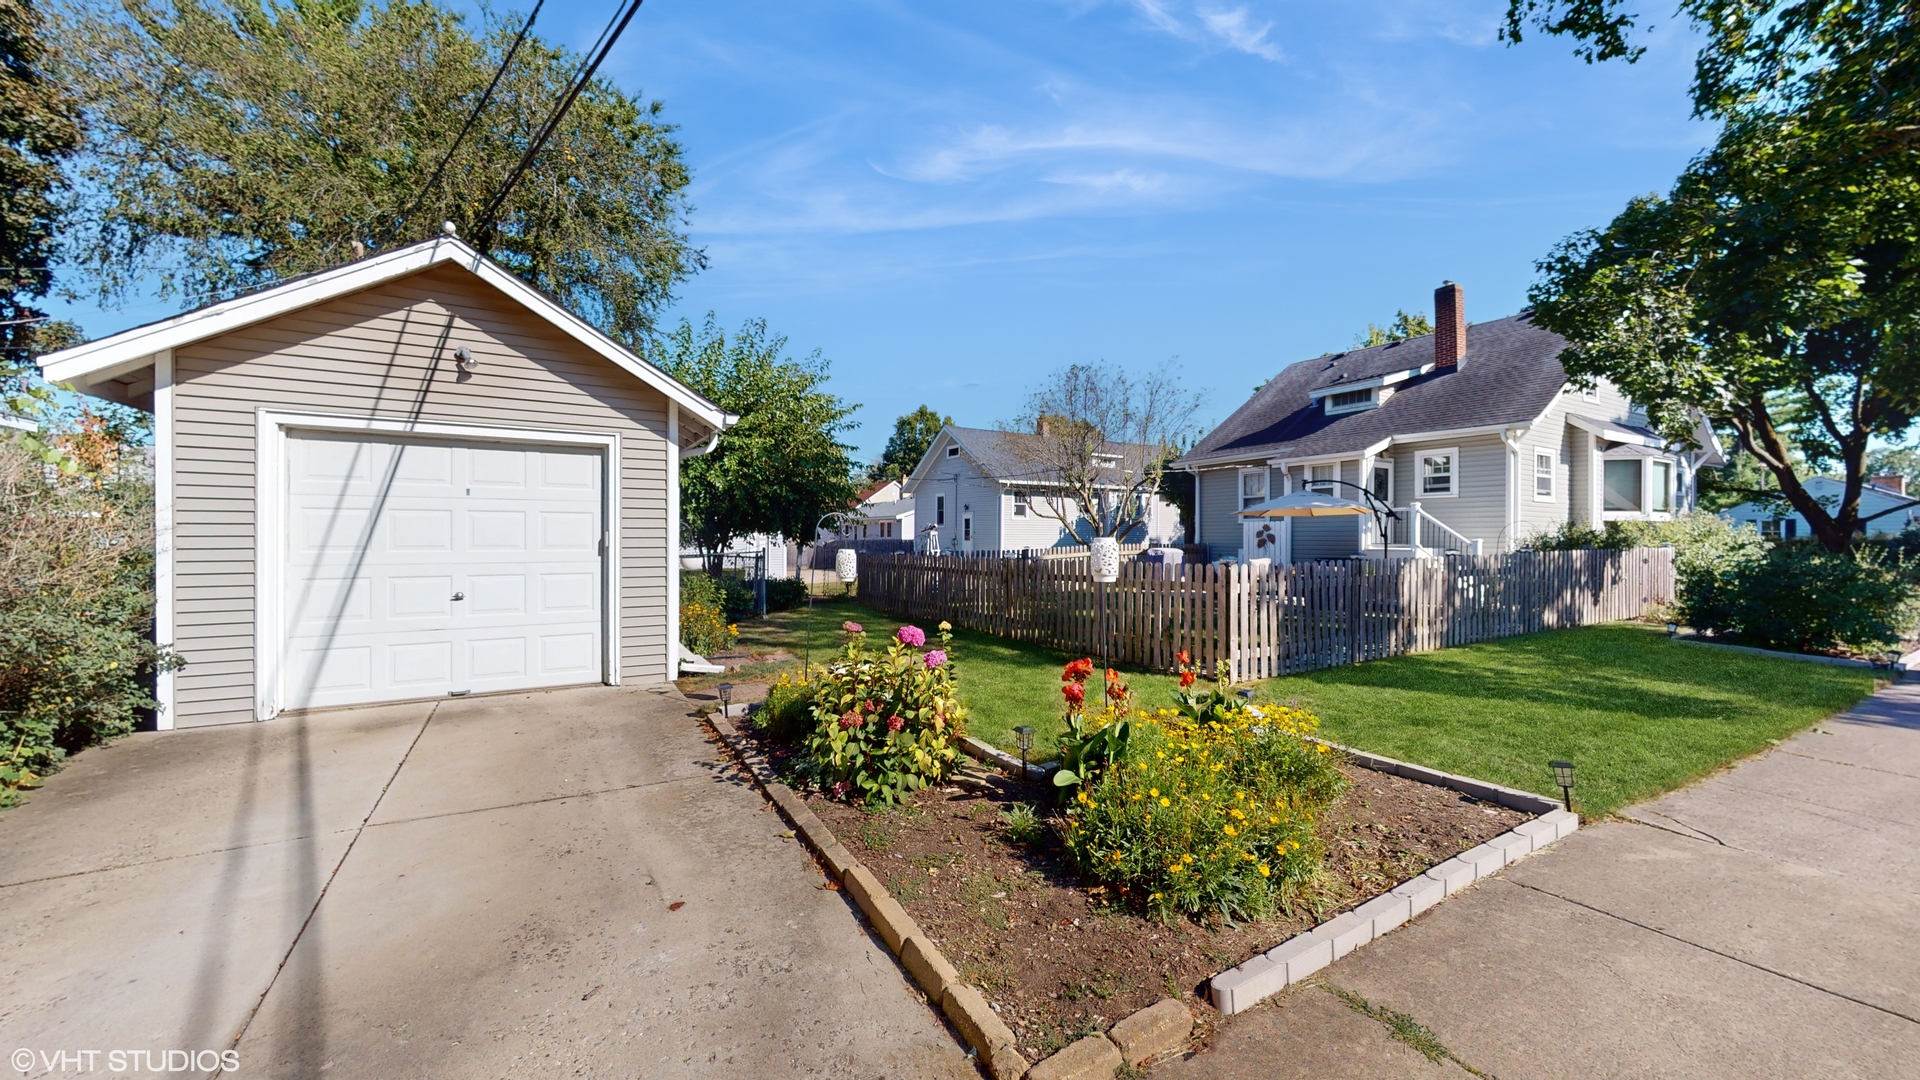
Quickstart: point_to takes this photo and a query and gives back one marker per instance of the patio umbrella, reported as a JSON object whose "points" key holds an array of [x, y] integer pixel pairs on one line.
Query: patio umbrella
{"points": [[1306, 504]]}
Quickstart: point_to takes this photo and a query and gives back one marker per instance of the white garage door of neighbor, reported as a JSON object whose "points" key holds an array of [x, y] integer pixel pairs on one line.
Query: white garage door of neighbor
{"points": [[421, 568]]}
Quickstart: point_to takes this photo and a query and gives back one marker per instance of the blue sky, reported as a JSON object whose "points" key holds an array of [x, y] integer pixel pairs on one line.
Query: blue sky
{"points": [[950, 200]]}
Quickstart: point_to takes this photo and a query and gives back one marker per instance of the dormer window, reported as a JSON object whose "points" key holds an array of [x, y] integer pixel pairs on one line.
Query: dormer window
{"points": [[1350, 401]]}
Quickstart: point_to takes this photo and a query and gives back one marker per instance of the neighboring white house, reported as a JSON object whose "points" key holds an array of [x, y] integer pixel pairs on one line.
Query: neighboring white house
{"points": [[888, 512], [980, 494], [408, 477], [16, 422], [1883, 500], [1477, 426]]}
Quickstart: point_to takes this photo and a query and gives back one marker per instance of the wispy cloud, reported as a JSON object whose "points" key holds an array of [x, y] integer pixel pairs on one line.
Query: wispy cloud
{"points": [[1236, 28]]}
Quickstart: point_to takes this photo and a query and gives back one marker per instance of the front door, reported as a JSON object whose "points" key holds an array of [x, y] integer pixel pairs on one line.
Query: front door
{"points": [[1263, 538], [966, 532]]}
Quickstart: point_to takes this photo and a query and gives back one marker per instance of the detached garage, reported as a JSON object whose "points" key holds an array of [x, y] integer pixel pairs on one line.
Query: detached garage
{"points": [[410, 477]]}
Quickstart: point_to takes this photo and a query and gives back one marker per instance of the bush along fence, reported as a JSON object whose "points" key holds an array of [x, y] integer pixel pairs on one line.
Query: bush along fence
{"points": [[1279, 620]]}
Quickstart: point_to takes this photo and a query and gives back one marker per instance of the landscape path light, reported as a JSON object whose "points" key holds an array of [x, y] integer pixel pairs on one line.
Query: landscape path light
{"points": [[726, 697], [1672, 629], [1563, 775], [1023, 736]]}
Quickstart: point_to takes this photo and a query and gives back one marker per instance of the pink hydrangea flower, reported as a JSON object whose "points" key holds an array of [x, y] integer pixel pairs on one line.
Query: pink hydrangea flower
{"points": [[911, 635], [895, 723], [853, 628], [936, 657], [851, 719]]}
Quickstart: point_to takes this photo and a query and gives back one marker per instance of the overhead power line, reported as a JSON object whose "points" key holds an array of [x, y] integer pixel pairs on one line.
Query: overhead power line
{"points": [[484, 227], [472, 119]]}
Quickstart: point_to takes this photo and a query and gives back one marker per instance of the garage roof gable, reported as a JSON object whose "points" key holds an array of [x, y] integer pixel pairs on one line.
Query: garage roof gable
{"points": [[133, 349]]}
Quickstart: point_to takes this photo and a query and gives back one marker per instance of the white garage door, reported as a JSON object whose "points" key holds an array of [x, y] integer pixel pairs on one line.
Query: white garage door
{"points": [[421, 568]]}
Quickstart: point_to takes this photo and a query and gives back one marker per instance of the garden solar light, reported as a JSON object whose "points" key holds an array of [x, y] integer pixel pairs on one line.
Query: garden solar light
{"points": [[726, 696], [1245, 695], [1563, 775], [1023, 736], [1672, 629]]}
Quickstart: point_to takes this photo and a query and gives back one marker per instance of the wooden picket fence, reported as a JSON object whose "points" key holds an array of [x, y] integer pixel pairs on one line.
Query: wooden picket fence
{"points": [[1268, 621]]}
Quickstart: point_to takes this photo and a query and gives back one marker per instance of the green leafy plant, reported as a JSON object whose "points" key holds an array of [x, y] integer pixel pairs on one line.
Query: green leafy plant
{"points": [[704, 626], [77, 658], [884, 724], [1207, 816], [787, 713], [1023, 823]]}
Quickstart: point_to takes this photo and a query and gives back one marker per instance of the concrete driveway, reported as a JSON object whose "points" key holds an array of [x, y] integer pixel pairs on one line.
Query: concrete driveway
{"points": [[563, 883], [1762, 923]]}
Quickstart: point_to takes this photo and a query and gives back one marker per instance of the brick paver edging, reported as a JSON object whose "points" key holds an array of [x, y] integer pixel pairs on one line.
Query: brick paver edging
{"points": [[1237, 989], [1143, 1036]]}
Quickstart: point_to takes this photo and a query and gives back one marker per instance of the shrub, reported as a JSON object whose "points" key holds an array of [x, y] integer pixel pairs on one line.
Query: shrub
{"points": [[1803, 597], [704, 626], [784, 594], [1023, 823], [77, 658], [884, 724], [1206, 814], [787, 714]]}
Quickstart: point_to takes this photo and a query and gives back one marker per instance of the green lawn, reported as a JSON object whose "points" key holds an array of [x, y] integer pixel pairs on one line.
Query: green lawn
{"points": [[1635, 713]]}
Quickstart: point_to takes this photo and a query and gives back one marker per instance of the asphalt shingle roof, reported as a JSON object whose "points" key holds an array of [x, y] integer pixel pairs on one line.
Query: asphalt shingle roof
{"points": [[1510, 374], [998, 453]]}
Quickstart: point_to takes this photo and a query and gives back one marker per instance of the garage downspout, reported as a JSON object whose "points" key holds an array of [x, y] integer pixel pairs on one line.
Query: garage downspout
{"points": [[1511, 437]]}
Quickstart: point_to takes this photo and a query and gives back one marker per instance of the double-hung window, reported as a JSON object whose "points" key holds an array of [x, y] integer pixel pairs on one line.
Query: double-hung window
{"points": [[940, 510], [1021, 502], [1320, 478], [1542, 474], [1439, 471], [1253, 487]]}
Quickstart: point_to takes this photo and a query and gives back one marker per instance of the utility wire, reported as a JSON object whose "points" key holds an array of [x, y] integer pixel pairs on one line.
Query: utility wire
{"points": [[472, 119], [484, 233]]}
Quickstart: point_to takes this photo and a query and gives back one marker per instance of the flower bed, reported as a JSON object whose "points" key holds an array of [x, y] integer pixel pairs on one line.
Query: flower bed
{"points": [[1058, 957], [1172, 843]]}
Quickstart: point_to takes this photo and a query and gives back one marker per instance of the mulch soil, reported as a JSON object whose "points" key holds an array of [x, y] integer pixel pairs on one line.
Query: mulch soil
{"points": [[1058, 960]]}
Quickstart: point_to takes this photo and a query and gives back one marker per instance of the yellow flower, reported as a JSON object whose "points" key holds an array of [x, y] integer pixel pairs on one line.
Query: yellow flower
{"points": [[1187, 857], [1265, 871], [1206, 796], [1164, 801], [1322, 747], [1230, 830], [1235, 814], [1081, 797]]}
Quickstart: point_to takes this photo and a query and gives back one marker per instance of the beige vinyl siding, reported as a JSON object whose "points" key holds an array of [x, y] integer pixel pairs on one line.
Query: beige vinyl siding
{"points": [[1479, 511], [1551, 436], [1219, 527], [386, 352]]}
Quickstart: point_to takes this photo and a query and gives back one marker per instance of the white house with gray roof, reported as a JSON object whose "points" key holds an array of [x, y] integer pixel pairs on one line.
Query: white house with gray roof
{"points": [[1474, 433], [980, 494]]}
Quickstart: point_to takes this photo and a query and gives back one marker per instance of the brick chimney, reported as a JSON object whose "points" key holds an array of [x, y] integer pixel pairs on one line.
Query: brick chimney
{"points": [[1893, 482], [1449, 326]]}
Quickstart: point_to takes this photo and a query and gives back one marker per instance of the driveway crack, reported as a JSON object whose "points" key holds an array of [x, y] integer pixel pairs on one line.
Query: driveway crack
{"points": [[328, 884]]}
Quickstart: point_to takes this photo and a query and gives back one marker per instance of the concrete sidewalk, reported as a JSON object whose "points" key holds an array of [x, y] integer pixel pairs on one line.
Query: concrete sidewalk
{"points": [[569, 882], [1762, 923]]}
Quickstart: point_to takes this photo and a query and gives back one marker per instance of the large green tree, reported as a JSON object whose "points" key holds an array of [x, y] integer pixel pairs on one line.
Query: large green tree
{"points": [[234, 143], [912, 435], [1405, 325], [38, 129], [1776, 287], [784, 464]]}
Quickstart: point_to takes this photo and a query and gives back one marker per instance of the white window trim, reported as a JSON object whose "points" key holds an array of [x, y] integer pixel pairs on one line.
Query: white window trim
{"points": [[1240, 487], [270, 529], [1382, 462], [1372, 401], [953, 451], [1553, 475], [1420, 473], [1648, 488], [1307, 480]]}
